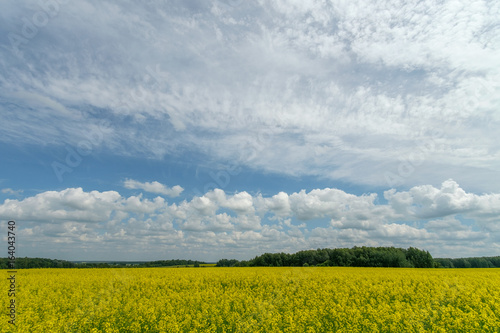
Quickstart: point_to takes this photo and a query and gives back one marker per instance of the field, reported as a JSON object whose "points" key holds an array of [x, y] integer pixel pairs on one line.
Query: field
{"points": [[323, 299]]}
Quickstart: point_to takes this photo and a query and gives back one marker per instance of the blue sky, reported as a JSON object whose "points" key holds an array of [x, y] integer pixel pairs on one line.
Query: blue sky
{"points": [[225, 129]]}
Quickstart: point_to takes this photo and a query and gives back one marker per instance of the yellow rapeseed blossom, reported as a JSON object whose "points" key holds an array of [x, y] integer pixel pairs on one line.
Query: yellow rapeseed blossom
{"points": [[322, 299]]}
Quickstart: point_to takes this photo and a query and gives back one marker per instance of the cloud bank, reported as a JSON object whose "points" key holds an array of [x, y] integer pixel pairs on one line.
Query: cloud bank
{"points": [[447, 221]]}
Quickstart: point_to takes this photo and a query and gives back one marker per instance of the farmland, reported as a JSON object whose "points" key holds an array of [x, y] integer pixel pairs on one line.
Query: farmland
{"points": [[312, 299]]}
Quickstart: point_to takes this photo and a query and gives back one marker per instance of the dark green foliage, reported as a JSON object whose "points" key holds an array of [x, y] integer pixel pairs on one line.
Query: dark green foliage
{"points": [[419, 258], [22, 263], [475, 262], [173, 262], [355, 257], [227, 263]]}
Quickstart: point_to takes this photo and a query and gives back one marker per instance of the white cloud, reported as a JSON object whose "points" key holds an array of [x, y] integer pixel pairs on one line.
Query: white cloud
{"points": [[138, 205], [241, 203], [154, 187], [202, 205], [279, 204], [11, 191], [72, 204], [341, 91], [402, 231], [429, 202], [448, 223], [217, 225]]}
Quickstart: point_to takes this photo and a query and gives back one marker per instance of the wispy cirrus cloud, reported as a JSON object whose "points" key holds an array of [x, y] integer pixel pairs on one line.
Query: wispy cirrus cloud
{"points": [[339, 91], [12, 192]]}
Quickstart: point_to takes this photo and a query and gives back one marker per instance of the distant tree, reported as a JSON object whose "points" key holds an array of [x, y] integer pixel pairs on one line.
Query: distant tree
{"points": [[418, 258], [243, 263], [227, 263], [461, 263], [357, 256]]}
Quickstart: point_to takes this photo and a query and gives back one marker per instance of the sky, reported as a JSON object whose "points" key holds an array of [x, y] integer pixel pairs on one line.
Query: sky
{"points": [[227, 128]]}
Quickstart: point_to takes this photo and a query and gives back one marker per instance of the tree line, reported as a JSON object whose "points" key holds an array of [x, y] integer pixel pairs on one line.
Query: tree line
{"points": [[363, 257], [22, 263], [173, 262], [474, 262], [354, 257], [36, 263]]}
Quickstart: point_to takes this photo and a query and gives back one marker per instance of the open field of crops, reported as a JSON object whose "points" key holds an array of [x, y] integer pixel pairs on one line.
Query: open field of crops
{"points": [[325, 299]]}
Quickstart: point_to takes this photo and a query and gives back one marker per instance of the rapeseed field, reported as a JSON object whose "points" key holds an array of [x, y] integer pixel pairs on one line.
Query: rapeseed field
{"points": [[322, 299]]}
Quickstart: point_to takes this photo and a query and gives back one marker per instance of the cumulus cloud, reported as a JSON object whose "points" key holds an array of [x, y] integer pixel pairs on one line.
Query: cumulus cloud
{"points": [[219, 224], [241, 203], [278, 204], [153, 187], [429, 202], [72, 204]]}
